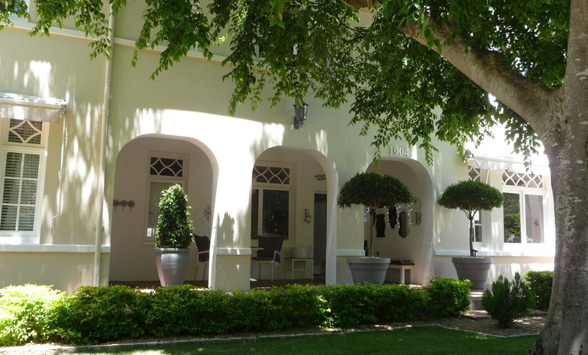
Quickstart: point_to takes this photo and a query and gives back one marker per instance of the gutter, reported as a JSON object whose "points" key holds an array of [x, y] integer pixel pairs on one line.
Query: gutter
{"points": [[101, 200]]}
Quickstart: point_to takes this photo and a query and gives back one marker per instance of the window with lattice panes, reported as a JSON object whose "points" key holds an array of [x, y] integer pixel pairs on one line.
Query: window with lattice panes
{"points": [[21, 168], [523, 210], [270, 201], [25, 132]]}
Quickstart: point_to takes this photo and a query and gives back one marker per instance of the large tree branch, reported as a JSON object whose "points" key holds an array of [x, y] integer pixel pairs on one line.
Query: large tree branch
{"points": [[491, 72], [576, 78]]}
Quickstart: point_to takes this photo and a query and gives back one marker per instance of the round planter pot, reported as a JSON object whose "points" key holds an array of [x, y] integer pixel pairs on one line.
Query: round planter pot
{"points": [[474, 269], [368, 269], [172, 265]]}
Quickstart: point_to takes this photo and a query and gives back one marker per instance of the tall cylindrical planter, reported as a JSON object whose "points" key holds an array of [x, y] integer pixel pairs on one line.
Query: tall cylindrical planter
{"points": [[172, 265], [474, 269], [368, 269]]}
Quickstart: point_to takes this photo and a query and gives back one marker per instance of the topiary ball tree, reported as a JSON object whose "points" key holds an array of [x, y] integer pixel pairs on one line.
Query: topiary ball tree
{"points": [[174, 226], [471, 197], [373, 190]]}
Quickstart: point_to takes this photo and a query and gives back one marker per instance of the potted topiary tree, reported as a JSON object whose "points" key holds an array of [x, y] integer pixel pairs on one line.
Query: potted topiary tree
{"points": [[173, 236], [373, 190], [471, 197]]}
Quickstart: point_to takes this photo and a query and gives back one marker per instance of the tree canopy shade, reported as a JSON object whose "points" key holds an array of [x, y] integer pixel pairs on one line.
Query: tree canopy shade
{"points": [[471, 197], [414, 70]]}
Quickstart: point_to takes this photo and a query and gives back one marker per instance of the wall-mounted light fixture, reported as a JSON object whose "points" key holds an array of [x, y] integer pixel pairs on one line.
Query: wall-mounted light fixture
{"points": [[207, 212], [468, 155], [123, 204], [300, 114], [307, 217]]}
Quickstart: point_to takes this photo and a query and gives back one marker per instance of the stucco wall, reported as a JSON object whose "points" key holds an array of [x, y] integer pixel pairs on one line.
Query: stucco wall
{"points": [[189, 104]]}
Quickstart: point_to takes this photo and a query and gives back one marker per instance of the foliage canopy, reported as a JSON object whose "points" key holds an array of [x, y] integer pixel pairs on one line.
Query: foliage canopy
{"points": [[336, 53], [469, 195], [374, 190]]}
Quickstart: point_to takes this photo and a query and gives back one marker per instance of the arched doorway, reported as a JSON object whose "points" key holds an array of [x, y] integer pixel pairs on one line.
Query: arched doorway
{"points": [[144, 167], [418, 245], [293, 198]]}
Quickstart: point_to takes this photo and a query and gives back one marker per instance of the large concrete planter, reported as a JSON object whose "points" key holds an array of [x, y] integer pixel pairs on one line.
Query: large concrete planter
{"points": [[368, 269], [474, 269], [172, 265]]}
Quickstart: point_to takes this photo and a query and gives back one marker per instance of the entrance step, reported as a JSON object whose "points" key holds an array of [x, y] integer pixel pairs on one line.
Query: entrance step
{"points": [[477, 314]]}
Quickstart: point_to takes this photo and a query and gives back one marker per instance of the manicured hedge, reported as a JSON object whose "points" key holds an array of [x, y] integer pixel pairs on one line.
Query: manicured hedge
{"points": [[448, 297], [540, 284], [99, 314]]}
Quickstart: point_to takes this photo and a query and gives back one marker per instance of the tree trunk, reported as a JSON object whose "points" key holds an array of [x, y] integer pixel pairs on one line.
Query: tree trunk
{"points": [[566, 143], [471, 219], [560, 118], [566, 329]]}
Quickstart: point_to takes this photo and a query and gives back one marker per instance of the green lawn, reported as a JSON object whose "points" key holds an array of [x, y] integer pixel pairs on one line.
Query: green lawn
{"points": [[421, 340]]}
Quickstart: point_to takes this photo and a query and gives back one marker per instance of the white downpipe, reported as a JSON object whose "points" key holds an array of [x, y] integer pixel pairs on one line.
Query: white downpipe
{"points": [[61, 170], [101, 199]]}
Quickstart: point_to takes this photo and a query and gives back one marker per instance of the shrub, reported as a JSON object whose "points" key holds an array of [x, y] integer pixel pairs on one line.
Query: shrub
{"points": [[507, 301], [26, 313], [100, 314], [169, 310], [351, 305], [289, 301], [399, 303], [174, 226], [540, 283], [448, 297]]}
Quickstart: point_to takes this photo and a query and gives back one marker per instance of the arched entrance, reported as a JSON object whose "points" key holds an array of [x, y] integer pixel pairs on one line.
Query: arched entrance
{"points": [[293, 198], [418, 245], [145, 166]]}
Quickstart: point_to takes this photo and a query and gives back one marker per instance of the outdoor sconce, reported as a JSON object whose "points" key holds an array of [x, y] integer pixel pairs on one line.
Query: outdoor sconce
{"points": [[307, 217], [468, 155], [300, 113], [123, 204]]}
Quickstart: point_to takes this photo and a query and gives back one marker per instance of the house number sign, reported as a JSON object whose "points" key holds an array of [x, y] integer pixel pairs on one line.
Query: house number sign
{"points": [[399, 151]]}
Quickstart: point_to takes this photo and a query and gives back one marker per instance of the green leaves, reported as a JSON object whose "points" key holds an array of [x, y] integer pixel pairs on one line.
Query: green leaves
{"points": [[508, 300], [12, 7], [374, 190], [471, 196], [179, 25], [174, 226], [398, 88]]}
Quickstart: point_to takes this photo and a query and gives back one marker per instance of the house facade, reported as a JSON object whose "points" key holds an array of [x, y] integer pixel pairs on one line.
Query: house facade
{"points": [[86, 147]]}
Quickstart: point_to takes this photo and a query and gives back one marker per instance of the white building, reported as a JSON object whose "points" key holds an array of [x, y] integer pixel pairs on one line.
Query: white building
{"points": [[79, 187]]}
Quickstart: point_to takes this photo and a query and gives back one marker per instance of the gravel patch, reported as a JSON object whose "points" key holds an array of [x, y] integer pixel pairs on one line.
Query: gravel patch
{"points": [[530, 325]]}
